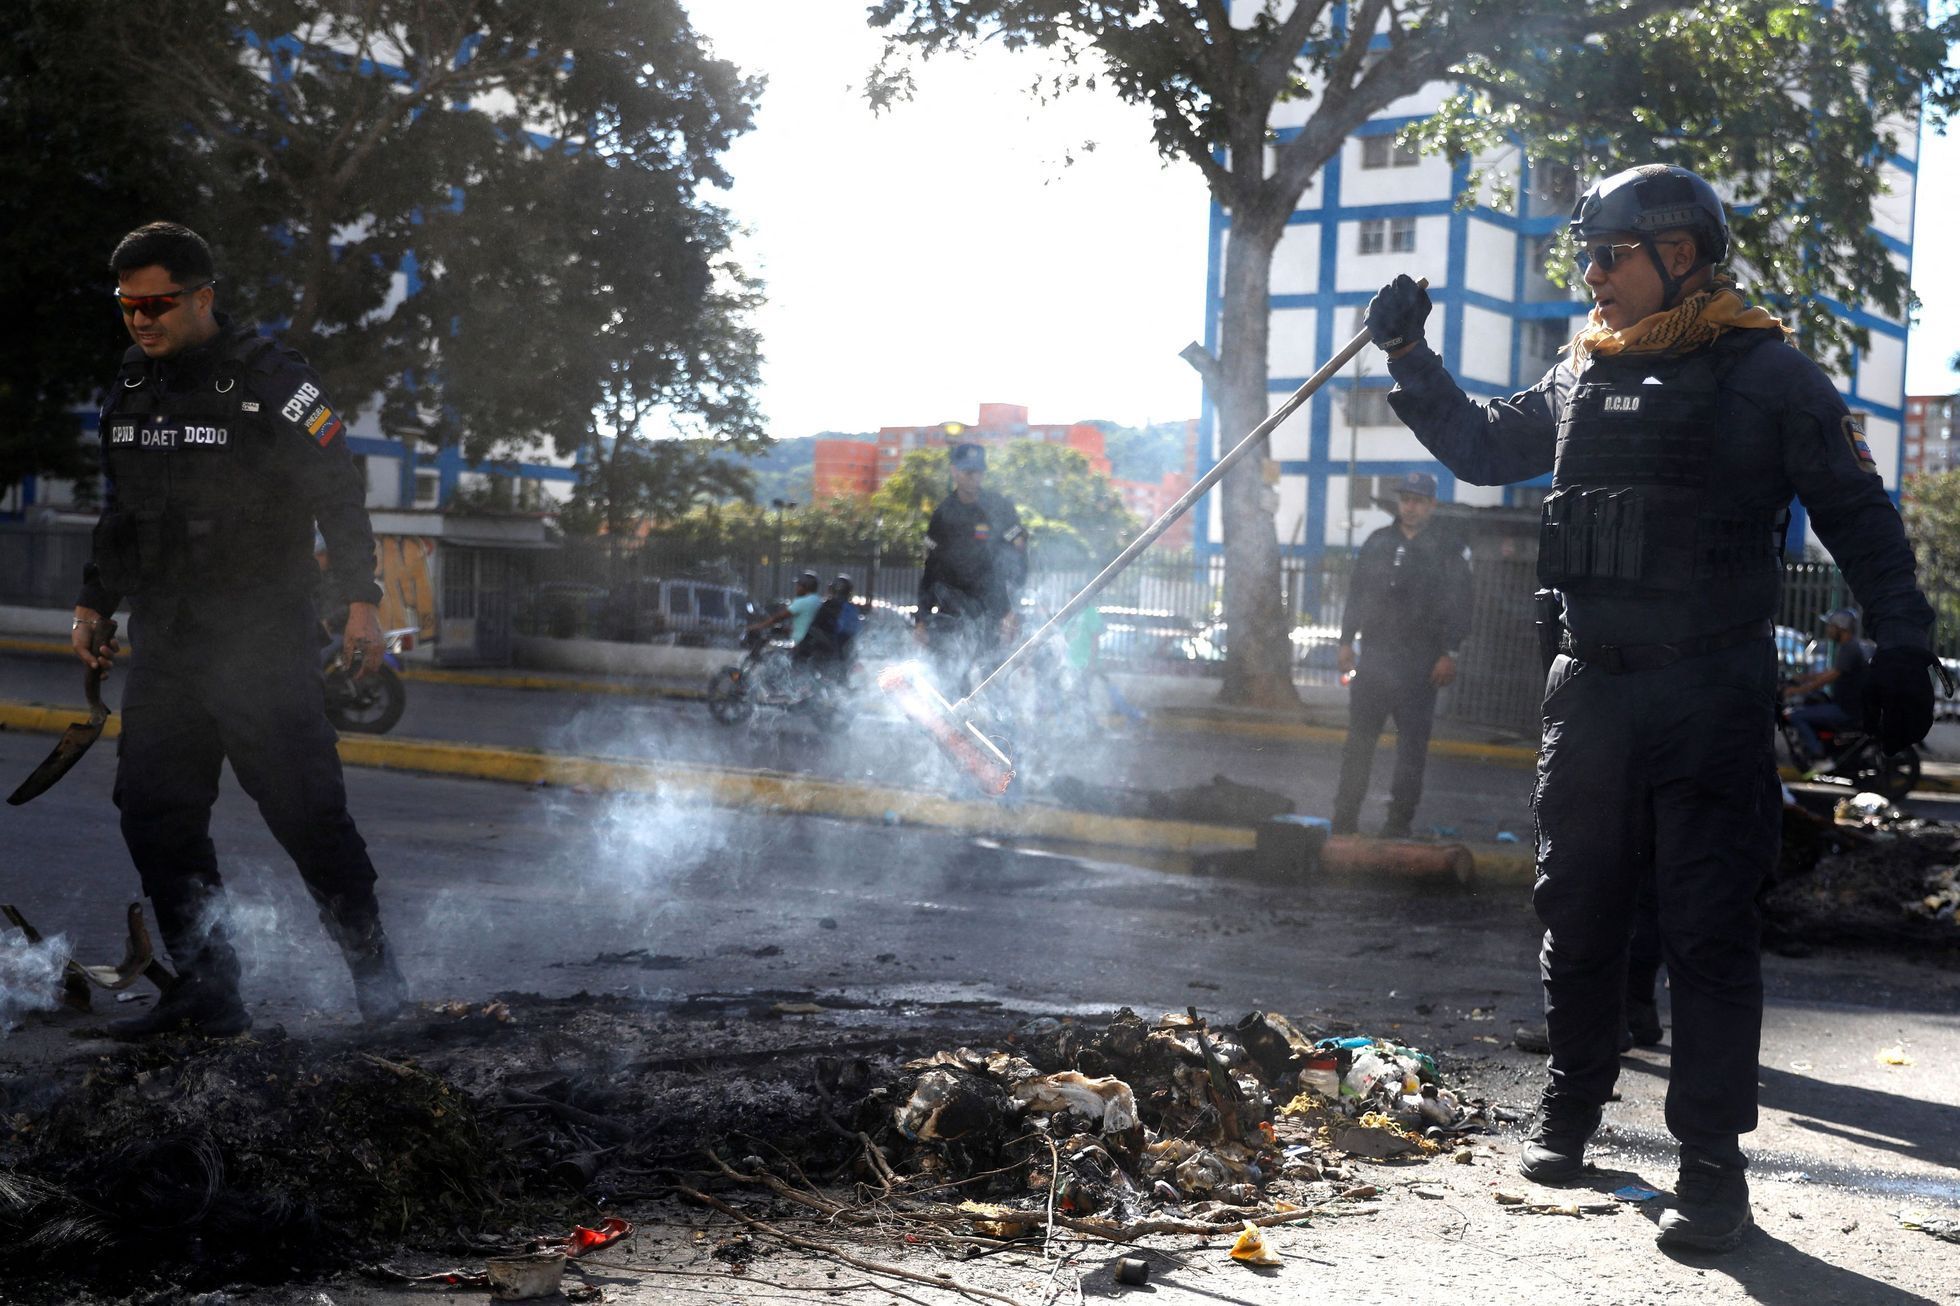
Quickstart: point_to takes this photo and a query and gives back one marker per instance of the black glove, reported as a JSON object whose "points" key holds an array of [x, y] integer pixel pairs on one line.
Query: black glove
{"points": [[1395, 316], [1899, 697]]}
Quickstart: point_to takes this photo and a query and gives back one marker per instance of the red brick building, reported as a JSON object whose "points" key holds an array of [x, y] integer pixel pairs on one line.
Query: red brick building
{"points": [[1931, 433], [860, 467]]}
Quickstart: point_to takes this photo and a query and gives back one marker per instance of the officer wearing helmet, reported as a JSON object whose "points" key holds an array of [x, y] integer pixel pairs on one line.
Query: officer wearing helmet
{"points": [[1676, 432], [1842, 684], [976, 562]]}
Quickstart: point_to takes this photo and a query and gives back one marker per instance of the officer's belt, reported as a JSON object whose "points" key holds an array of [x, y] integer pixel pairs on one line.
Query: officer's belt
{"points": [[1616, 658]]}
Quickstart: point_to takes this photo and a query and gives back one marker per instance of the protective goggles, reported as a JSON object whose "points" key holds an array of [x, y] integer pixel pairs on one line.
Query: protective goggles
{"points": [[156, 305]]}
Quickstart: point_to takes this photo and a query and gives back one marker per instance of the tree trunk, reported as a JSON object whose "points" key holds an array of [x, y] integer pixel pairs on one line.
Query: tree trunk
{"points": [[1258, 662]]}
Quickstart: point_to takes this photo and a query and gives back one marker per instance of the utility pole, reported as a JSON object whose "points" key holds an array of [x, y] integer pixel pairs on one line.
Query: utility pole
{"points": [[781, 506]]}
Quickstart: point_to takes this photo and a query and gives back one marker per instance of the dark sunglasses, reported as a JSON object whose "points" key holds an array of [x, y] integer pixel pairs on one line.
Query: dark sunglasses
{"points": [[155, 305], [1603, 254]]}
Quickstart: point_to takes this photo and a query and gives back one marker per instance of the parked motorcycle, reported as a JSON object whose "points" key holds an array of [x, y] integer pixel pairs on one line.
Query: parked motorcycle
{"points": [[766, 678], [1856, 759], [372, 704]]}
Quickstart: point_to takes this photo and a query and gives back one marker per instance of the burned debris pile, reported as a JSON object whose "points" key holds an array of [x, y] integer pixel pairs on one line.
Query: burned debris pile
{"points": [[1873, 875], [1145, 1126]]}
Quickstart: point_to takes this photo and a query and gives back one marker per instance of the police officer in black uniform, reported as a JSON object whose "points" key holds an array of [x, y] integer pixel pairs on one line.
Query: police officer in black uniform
{"points": [[976, 563], [1409, 600], [1676, 433], [221, 455]]}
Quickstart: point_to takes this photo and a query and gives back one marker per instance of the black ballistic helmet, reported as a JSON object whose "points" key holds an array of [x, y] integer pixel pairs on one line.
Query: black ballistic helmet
{"points": [[969, 457], [1650, 199]]}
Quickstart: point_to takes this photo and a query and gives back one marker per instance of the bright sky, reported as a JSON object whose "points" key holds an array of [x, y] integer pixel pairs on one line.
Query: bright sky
{"points": [[947, 253]]}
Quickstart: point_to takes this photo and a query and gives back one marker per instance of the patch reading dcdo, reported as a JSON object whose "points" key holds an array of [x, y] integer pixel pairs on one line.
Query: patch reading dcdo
{"points": [[1854, 435]]}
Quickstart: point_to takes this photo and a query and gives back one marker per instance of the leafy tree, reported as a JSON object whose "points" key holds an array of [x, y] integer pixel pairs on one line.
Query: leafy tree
{"points": [[534, 172], [1787, 102], [629, 482], [1931, 506], [1143, 453], [83, 166], [1066, 505]]}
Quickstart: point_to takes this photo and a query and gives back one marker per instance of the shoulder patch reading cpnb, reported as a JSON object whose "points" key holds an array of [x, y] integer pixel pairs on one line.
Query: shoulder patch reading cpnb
{"points": [[1854, 435]]}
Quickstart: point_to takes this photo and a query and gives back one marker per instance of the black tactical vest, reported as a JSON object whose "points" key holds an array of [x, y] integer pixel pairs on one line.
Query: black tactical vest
{"points": [[197, 506], [1637, 508]]}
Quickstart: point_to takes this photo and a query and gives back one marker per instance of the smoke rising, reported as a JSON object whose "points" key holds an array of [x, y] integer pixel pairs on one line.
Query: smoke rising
{"points": [[30, 976]]}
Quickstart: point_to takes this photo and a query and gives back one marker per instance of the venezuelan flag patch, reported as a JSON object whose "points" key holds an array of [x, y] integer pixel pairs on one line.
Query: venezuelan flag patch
{"points": [[1854, 435], [323, 425]]}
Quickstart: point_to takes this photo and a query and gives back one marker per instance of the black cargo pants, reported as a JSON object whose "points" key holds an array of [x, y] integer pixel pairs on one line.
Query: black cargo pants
{"points": [[1384, 688], [1677, 762], [240, 685]]}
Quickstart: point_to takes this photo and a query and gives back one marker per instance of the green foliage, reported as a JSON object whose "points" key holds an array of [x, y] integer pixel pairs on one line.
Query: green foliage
{"points": [[1143, 453], [635, 482], [1071, 511], [1931, 506], [83, 165], [569, 263]]}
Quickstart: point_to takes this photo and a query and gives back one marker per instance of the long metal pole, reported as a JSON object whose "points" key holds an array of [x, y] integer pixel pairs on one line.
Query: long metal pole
{"points": [[1178, 509]]}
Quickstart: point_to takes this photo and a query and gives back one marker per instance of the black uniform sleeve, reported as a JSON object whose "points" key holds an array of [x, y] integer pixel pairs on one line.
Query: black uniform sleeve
{"points": [[929, 575], [310, 446], [1456, 595], [94, 594], [1010, 555], [1826, 459], [1487, 442], [1362, 586]]}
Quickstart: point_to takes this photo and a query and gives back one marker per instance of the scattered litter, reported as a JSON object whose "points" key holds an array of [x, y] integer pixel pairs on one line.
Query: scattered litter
{"points": [[1532, 1039], [1132, 1271], [1944, 1227], [525, 1278], [1483, 1013], [1505, 836], [1251, 1247], [1635, 1193], [796, 1009], [1893, 1056], [1433, 1194]]}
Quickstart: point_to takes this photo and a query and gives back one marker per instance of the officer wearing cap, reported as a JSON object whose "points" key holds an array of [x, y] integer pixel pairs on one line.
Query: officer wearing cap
{"points": [[1676, 432], [1409, 600], [1843, 682], [976, 563], [221, 455]]}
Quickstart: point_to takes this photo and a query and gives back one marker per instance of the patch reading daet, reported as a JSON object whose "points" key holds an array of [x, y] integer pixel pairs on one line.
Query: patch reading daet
{"points": [[303, 396], [158, 438], [1622, 403]]}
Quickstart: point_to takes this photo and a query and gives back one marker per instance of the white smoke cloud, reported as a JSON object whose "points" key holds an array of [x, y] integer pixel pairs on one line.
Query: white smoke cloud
{"points": [[30, 976]]}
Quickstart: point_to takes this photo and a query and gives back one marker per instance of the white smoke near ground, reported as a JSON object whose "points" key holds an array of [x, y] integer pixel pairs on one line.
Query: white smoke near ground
{"points": [[30, 976], [274, 927]]}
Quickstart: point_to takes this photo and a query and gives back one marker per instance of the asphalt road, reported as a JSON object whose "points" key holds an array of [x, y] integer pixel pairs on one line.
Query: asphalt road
{"points": [[1470, 800], [490, 888]]}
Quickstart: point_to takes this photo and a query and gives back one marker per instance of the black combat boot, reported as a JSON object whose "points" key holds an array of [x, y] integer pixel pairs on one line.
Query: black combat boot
{"points": [[354, 922], [204, 998], [1711, 1205], [1555, 1151]]}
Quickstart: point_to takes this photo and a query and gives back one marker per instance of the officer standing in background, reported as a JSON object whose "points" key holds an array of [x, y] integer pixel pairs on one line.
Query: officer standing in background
{"points": [[976, 563], [1676, 433], [221, 456], [1409, 600]]}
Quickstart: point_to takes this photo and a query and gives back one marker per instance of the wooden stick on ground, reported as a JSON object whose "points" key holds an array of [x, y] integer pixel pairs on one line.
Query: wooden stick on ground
{"points": [[825, 1249]]}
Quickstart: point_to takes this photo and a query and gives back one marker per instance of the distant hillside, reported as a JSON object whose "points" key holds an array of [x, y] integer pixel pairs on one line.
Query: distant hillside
{"points": [[784, 470]]}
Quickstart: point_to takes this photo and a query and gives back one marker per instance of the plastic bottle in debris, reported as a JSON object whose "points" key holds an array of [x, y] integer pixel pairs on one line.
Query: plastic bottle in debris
{"points": [[1364, 1072], [1321, 1074]]}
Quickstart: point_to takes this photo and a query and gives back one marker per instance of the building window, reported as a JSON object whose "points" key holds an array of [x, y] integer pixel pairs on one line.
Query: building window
{"points": [[1370, 408], [1374, 236], [428, 489], [1383, 152], [1402, 235], [1543, 340]]}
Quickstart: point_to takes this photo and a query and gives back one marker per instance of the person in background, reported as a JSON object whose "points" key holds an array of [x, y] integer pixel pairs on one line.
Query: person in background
{"points": [[1842, 683], [976, 564], [1409, 600]]}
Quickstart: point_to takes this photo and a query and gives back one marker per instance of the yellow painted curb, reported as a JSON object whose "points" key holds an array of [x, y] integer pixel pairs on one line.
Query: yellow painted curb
{"points": [[728, 787], [25, 644]]}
